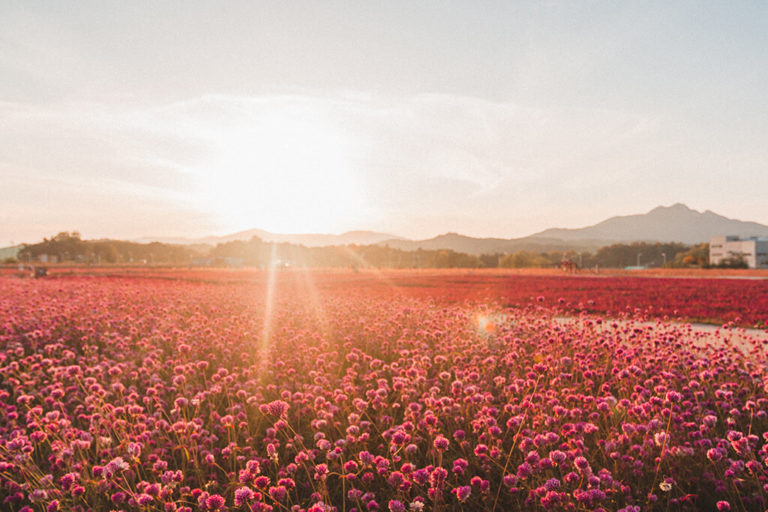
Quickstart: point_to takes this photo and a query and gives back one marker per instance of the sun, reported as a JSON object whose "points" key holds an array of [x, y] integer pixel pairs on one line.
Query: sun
{"points": [[284, 171]]}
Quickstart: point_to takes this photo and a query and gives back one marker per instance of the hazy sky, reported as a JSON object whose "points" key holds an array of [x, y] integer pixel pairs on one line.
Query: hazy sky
{"points": [[126, 119]]}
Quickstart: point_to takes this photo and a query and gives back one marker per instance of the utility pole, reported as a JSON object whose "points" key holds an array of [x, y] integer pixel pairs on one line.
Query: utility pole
{"points": [[638, 258], [664, 258]]}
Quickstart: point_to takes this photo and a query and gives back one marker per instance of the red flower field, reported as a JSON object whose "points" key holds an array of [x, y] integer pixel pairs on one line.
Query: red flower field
{"points": [[180, 390]]}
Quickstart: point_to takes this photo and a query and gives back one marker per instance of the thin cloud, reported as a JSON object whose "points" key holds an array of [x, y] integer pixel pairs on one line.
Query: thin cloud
{"points": [[402, 158]]}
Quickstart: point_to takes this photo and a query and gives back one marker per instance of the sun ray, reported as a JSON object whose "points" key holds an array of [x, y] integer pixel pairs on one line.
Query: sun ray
{"points": [[269, 305], [315, 302], [377, 273]]}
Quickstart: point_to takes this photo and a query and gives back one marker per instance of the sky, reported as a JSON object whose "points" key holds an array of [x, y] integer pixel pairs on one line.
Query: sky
{"points": [[489, 118]]}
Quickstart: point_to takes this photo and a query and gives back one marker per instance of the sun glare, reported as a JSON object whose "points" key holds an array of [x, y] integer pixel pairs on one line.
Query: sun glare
{"points": [[486, 324], [283, 172]]}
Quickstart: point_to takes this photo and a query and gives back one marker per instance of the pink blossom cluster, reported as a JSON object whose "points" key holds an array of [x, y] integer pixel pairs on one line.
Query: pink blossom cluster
{"points": [[297, 394]]}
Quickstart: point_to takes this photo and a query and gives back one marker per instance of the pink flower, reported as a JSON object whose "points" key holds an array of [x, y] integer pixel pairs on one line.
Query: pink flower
{"points": [[714, 454], [118, 497], [581, 463], [278, 492], [441, 443], [557, 456], [215, 502], [277, 408], [462, 493], [144, 499], [242, 496]]}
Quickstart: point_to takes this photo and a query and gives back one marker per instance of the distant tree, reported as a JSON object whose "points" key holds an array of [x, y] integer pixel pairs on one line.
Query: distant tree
{"points": [[104, 252], [490, 260], [624, 255], [524, 259], [694, 256], [736, 261], [68, 246]]}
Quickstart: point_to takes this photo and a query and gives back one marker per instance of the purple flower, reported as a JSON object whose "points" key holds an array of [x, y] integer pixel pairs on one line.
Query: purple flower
{"points": [[462, 493], [134, 449], [115, 466], [215, 502], [69, 479], [144, 499], [581, 463], [524, 470], [277, 408], [278, 492], [118, 497], [366, 458], [441, 443], [714, 454], [242, 496], [557, 456]]}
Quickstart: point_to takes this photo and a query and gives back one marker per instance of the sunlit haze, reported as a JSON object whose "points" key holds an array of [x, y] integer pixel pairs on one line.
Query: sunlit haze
{"points": [[132, 119]]}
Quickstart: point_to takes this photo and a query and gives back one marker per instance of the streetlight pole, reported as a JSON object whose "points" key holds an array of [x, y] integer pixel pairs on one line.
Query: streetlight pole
{"points": [[638, 258], [664, 258]]}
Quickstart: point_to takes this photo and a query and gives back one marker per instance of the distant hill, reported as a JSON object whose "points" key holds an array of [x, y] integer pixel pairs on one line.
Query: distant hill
{"points": [[676, 223], [477, 246], [305, 239]]}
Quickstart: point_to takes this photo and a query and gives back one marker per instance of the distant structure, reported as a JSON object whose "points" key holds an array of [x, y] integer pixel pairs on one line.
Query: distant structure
{"points": [[753, 250]]}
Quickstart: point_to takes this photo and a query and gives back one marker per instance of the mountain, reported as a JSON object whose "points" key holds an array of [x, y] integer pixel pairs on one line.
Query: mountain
{"points": [[319, 240], [676, 223], [306, 239], [478, 246]]}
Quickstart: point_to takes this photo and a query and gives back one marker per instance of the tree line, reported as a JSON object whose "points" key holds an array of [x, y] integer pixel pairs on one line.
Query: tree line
{"points": [[70, 247]]}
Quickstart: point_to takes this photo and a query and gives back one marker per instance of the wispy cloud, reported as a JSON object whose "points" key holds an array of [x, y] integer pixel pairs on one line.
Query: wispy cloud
{"points": [[405, 164]]}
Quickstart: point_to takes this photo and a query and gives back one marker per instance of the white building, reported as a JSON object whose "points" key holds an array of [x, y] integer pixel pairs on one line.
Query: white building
{"points": [[754, 250]]}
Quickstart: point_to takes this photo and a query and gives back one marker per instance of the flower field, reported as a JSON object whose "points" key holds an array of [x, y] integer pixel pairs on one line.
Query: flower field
{"points": [[216, 390]]}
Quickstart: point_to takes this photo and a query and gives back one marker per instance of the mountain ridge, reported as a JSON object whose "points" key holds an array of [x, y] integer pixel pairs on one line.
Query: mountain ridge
{"points": [[476, 246], [674, 223], [356, 237]]}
